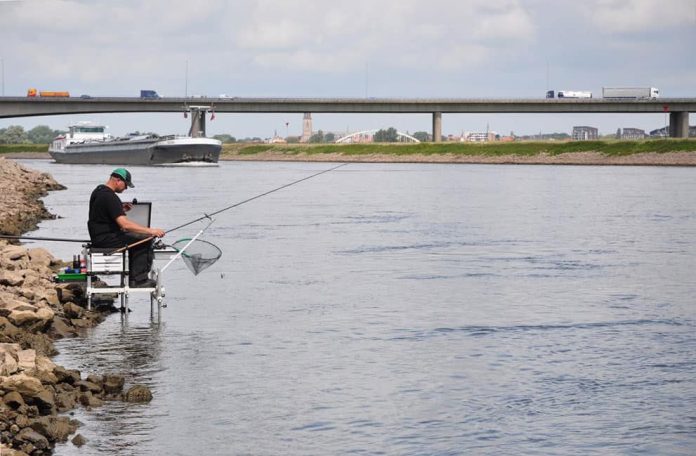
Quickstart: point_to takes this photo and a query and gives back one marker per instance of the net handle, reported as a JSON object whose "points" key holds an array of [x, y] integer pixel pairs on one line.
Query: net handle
{"points": [[180, 252]]}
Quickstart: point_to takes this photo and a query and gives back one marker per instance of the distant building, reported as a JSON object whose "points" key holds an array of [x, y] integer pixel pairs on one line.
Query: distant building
{"points": [[306, 127], [664, 132], [660, 132], [632, 133], [484, 136], [585, 133]]}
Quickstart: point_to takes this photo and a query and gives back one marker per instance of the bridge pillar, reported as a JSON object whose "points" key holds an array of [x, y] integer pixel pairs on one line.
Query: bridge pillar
{"points": [[437, 127], [679, 124]]}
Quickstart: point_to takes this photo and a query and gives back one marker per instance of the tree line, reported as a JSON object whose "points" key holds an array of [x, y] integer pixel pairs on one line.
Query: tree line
{"points": [[41, 134], [387, 135]]}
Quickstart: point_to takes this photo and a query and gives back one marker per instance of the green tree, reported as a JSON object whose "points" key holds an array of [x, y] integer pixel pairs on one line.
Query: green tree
{"points": [[225, 138], [317, 137], [14, 134], [330, 137], [41, 134], [422, 136], [388, 135]]}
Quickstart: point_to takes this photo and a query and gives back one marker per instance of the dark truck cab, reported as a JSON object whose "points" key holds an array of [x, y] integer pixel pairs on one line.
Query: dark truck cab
{"points": [[148, 94]]}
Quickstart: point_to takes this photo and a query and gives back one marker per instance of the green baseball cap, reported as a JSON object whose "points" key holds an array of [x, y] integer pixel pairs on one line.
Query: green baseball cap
{"points": [[124, 175]]}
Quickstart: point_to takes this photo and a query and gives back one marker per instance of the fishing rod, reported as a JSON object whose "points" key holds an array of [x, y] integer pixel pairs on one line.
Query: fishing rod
{"points": [[29, 238], [207, 216]]}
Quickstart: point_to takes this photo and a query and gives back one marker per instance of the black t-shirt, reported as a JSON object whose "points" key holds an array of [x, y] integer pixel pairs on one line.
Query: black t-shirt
{"points": [[104, 207]]}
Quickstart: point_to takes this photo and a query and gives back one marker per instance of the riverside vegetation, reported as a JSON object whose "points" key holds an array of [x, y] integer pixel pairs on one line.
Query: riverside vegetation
{"points": [[34, 311], [648, 152], [604, 152]]}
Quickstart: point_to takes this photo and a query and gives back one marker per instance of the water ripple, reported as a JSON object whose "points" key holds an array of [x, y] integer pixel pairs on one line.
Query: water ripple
{"points": [[482, 330]]}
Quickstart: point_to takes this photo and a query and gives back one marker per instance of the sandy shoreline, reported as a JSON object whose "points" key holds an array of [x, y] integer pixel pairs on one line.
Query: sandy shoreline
{"points": [[574, 158]]}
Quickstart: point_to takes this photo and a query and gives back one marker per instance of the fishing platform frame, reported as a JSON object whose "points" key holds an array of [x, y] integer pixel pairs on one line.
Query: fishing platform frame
{"points": [[108, 262], [104, 262]]}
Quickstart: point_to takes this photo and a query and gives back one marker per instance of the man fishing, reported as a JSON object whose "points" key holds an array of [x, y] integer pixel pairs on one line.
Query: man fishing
{"points": [[109, 227]]}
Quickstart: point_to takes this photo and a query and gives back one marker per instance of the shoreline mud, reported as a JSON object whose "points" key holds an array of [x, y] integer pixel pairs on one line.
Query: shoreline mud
{"points": [[574, 158], [587, 158], [34, 311]]}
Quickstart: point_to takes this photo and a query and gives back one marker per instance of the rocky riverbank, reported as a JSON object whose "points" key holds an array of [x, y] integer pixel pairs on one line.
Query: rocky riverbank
{"points": [[34, 311]]}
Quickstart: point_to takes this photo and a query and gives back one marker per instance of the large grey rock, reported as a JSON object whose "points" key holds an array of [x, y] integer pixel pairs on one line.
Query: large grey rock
{"points": [[50, 295], [40, 257], [23, 317], [87, 399], [13, 399], [11, 304], [55, 428], [31, 436], [11, 278], [38, 319], [138, 393], [66, 400], [24, 384], [72, 310], [8, 364], [60, 327], [44, 400], [113, 384], [79, 440], [26, 359], [69, 376], [8, 359], [8, 329], [14, 252]]}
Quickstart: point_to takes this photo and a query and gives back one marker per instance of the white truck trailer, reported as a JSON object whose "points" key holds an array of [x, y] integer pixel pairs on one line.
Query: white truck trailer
{"points": [[574, 94], [630, 92]]}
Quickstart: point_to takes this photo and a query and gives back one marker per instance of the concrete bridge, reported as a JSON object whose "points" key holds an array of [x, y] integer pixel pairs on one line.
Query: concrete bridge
{"points": [[678, 108]]}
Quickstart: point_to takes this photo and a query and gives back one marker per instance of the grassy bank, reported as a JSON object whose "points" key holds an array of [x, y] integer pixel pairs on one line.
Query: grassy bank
{"points": [[607, 148], [519, 149], [19, 148]]}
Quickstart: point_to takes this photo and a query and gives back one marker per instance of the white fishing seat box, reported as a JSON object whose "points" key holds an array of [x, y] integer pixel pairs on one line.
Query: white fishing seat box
{"points": [[113, 269], [100, 261]]}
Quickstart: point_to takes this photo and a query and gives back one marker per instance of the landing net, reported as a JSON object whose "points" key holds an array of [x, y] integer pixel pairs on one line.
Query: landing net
{"points": [[197, 254]]}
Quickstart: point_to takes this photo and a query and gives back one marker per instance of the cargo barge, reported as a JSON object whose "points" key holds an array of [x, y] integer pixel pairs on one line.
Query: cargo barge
{"points": [[88, 143]]}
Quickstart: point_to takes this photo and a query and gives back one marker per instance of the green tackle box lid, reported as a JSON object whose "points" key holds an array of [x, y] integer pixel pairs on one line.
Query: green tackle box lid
{"points": [[71, 277]]}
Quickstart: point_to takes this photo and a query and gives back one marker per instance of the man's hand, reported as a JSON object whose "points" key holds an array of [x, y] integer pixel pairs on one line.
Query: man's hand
{"points": [[156, 232], [127, 206]]}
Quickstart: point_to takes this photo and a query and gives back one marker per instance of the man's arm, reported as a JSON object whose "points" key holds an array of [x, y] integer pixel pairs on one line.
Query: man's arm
{"points": [[128, 225]]}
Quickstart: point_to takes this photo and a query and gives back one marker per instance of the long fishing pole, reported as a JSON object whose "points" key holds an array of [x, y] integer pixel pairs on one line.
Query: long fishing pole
{"points": [[29, 238], [255, 197]]}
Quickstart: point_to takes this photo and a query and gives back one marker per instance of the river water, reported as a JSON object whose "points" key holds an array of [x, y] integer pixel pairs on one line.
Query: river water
{"points": [[404, 309]]}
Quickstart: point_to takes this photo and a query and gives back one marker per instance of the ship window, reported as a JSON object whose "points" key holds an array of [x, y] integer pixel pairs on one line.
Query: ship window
{"points": [[90, 129]]}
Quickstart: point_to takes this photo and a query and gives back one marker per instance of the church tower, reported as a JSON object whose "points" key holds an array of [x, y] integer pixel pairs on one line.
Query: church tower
{"points": [[306, 127]]}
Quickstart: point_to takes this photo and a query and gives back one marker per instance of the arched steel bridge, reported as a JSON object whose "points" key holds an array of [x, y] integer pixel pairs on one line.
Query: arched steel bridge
{"points": [[357, 134], [678, 108]]}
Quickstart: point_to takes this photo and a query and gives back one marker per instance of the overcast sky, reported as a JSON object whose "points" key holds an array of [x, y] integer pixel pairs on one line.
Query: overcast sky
{"points": [[356, 48]]}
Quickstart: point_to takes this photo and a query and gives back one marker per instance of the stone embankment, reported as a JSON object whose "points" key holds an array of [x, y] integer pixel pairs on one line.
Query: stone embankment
{"points": [[34, 311]]}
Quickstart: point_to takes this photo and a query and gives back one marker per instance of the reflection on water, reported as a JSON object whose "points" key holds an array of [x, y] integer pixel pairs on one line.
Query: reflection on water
{"points": [[405, 309]]}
